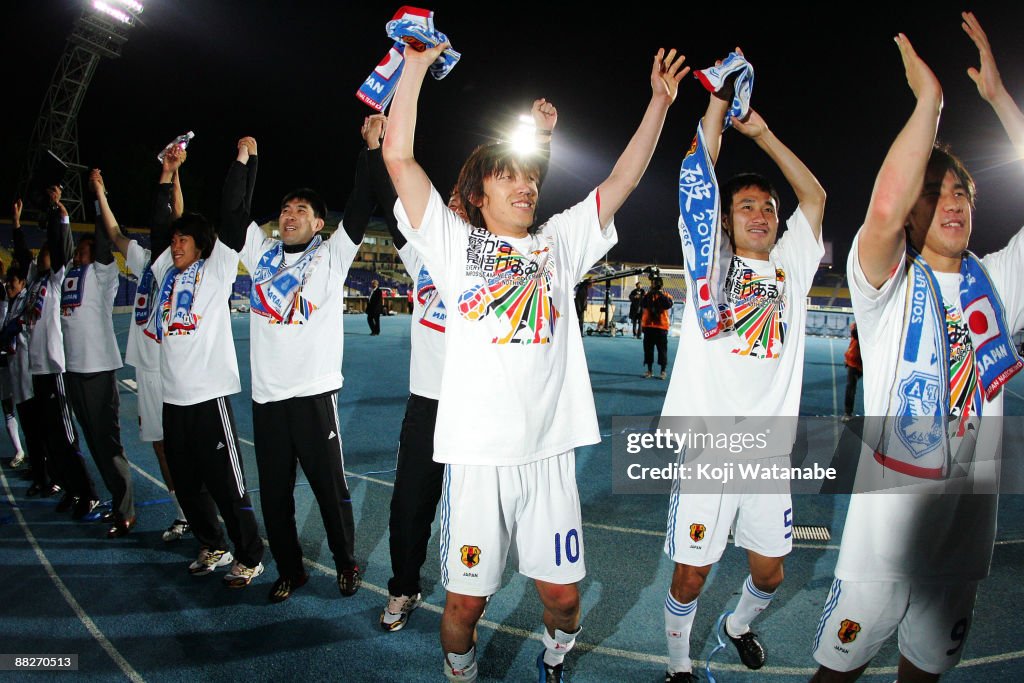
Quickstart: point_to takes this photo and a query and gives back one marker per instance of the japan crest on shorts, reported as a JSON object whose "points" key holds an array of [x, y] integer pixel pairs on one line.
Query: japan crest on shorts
{"points": [[848, 631], [697, 532], [470, 555]]}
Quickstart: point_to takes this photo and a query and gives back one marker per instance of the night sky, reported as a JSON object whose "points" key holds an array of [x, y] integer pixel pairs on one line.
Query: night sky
{"points": [[831, 88]]}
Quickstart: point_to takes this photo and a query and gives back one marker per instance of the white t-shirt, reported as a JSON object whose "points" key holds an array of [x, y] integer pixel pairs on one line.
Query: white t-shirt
{"points": [[143, 353], [426, 359], [515, 386], [201, 365], [88, 329], [302, 358], [755, 369], [920, 536], [46, 342]]}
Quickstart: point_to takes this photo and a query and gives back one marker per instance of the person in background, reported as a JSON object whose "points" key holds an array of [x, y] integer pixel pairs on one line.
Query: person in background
{"points": [[654, 321], [636, 298], [854, 371]]}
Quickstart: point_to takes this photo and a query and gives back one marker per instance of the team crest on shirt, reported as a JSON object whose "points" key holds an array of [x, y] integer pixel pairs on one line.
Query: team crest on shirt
{"points": [[470, 555], [697, 532], [516, 289], [919, 397], [848, 630]]}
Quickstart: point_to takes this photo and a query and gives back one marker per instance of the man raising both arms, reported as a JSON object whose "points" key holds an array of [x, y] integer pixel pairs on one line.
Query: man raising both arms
{"points": [[930, 369], [515, 486], [753, 366]]}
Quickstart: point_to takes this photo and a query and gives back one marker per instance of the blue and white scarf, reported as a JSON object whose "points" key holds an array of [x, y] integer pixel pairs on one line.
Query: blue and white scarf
{"points": [[36, 299], [916, 437], [704, 248], [13, 322], [177, 295], [276, 288], [144, 296], [409, 26], [73, 290]]}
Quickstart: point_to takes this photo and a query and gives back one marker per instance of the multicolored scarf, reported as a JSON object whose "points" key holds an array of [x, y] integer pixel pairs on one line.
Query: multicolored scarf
{"points": [[916, 437], [699, 211], [73, 290], [277, 289], [409, 26], [177, 294], [143, 296]]}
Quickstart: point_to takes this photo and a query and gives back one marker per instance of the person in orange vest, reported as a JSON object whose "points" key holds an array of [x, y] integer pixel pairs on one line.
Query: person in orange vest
{"points": [[655, 305], [854, 371]]}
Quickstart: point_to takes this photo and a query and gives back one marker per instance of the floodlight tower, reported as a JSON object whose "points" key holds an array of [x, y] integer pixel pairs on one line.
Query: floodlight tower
{"points": [[98, 33]]}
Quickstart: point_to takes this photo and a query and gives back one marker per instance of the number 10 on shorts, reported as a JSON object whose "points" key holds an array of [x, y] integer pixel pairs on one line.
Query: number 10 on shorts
{"points": [[570, 546]]}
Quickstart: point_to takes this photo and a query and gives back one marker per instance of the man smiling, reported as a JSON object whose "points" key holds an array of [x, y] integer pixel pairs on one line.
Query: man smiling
{"points": [[296, 324], [509, 477]]}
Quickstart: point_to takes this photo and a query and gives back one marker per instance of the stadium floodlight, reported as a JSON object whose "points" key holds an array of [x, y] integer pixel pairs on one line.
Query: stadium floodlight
{"points": [[130, 5], [523, 137], [125, 16]]}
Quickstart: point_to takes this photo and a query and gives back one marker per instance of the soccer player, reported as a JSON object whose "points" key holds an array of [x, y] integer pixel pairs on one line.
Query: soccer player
{"points": [[932, 367], [193, 280], [296, 324], [47, 362], [509, 462], [753, 367], [143, 352], [418, 478], [86, 305]]}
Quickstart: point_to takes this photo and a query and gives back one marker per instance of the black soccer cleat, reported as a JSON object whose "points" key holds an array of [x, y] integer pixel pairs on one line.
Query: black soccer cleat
{"points": [[750, 649]]}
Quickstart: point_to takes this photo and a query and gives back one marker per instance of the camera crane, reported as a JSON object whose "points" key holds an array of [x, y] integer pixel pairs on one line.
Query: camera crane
{"points": [[605, 326]]}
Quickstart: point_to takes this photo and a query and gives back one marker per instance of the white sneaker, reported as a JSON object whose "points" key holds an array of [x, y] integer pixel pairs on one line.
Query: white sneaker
{"points": [[175, 531], [18, 460], [395, 615], [241, 576], [209, 560]]}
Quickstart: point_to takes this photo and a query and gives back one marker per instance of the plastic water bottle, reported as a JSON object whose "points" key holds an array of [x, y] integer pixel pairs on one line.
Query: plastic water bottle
{"points": [[181, 141]]}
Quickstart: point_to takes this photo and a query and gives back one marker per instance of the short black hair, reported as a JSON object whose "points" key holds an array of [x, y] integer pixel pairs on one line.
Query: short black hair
{"points": [[942, 157], [742, 182], [196, 226], [312, 196], [16, 271]]}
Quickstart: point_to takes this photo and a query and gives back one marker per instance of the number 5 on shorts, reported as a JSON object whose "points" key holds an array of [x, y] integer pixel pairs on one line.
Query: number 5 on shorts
{"points": [[572, 547]]}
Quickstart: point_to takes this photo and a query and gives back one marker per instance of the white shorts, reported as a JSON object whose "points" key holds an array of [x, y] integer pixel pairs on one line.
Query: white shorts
{"points": [[532, 510], [859, 616], [151, 405], [699, 525]]}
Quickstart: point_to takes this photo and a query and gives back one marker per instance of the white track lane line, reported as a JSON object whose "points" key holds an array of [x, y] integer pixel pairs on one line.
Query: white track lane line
{"points": [[616, 652], [89, 624]]}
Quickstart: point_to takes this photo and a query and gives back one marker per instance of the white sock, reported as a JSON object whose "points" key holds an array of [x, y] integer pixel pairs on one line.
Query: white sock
{"points": [[678, 624], [556, 648], [461, 668], [12, 431], [177, 506], [752, 602]]}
